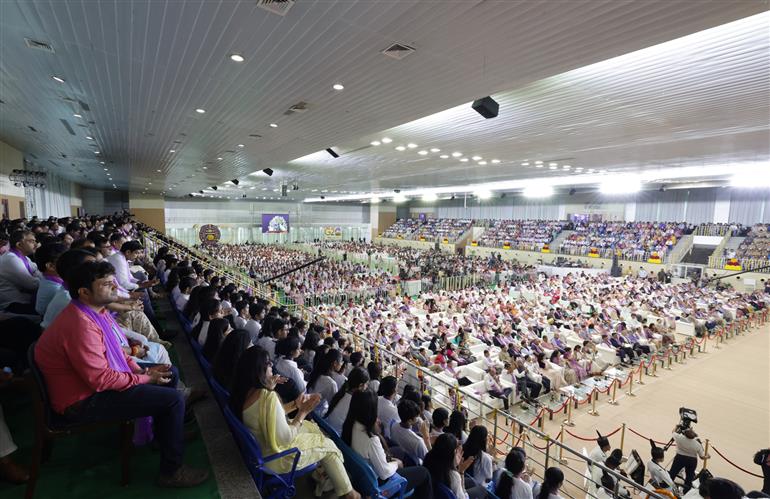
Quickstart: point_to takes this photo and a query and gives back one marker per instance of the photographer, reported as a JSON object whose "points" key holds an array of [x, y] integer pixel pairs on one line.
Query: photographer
{"points": [[688, 450]]}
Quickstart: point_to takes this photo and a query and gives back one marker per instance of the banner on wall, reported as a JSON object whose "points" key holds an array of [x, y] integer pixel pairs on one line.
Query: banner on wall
{"points": [[275, 223], [209, 234], [333, 232]]}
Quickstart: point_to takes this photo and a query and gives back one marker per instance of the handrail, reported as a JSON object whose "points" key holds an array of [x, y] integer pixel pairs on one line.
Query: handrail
{"points": [[716, 255], [683, 246], [399, 364]]}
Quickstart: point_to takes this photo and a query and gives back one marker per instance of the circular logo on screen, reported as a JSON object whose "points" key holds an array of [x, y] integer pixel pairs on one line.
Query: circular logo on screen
{"points": [[209, 234]]}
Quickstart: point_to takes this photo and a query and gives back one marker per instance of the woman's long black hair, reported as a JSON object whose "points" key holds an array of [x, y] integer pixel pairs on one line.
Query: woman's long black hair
{"points": [[251, 373], [226, 359], [456, 424], [356, 378], [363, 409], [552, 480], [323, 366], [475, 444], [514, 465], [440, 460]]}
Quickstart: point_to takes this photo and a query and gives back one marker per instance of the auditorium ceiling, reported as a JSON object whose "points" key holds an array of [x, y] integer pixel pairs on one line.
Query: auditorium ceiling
{"points": [[145, 96]]}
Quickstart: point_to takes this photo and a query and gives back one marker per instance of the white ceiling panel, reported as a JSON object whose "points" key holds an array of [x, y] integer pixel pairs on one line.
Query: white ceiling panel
{"points": [[143, 67]]}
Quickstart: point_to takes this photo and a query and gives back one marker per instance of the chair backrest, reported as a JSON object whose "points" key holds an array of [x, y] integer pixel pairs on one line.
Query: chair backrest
{"points": [[42, 402], [248, 445], [441, 491]]}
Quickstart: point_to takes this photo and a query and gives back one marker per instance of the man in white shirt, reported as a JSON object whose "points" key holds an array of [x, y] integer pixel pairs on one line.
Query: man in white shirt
{"points": [[183, 296], [688, 450], [414, 445], [130, 251], [19, 276], [659, 477], [386, 409]]}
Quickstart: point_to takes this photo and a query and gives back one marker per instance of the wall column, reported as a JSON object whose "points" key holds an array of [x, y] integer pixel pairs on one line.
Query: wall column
{"points": [[722, 207], [10, 195], [381, 217], [148, 209]]}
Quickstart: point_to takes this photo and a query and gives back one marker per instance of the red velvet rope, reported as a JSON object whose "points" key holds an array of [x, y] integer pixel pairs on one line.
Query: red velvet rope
{"points": [[646, 438], [592, 439], [735, 465]]}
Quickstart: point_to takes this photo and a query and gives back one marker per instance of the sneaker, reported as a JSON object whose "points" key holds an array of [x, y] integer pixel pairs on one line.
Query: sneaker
{"points": [[185, 476]]}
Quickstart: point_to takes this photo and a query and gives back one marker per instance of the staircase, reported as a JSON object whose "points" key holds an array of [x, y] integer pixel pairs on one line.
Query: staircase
{"points": [[698, 254], [556, 243], [733, 243]]}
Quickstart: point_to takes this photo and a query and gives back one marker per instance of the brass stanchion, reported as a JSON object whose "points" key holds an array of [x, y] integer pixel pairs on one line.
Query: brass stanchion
{"points": [[622, 436], [568, 421], [706, 454], [668, 368], [705, 340], [494, 431], [561, 448], [641, 371], [630, 391], [614, 400], [593, 412], [654, 369]]}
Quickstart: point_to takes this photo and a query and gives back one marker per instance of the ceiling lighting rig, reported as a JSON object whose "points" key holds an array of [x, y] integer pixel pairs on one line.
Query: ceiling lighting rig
{"points": [[26, 178]]}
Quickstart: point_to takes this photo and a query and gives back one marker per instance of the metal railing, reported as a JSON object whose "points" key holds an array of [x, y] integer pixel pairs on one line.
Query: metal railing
{"points": [[507, 431], [746, 263]]}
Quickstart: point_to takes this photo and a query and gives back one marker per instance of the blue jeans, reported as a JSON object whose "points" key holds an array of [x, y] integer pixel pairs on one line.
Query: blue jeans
{"points": [[164, 403]]}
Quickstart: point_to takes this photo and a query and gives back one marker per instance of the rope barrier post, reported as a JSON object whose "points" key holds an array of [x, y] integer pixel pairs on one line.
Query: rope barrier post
{"points": [[541, 422], [641, 372], [705, 339], [547, 451], [668, 368], [706, 454], [561, 447], [614, 400], [494, 431], [593, 411], [654, 369], [630, 391], [568, 421], [622, 436]]}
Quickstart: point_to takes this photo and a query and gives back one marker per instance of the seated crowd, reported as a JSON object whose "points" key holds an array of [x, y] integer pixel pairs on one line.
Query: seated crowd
{"points": [[436, 229], [634, 240], [528, 235], [755, 246], [404, 227]]}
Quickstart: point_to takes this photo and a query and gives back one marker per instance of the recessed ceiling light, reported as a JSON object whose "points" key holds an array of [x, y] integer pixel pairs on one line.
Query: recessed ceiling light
{"points": [[464, 160], [149, 183], [88, 137], [58, 79], [525, 163], [566, 167], [456, 154], [241, 145], [205, 167], [252, 188], [338, 86], [172, 151], [551, 167], [105, 169], [476, 158], [76, 115], [538, 162], [434, 149], [236, 57], [495, 161], [386, 140], [101, 162], [200, 110], [540, 165], [482, 163], [273, 125], [423, 152], [591, 170], [602, 171], [219, 158], [444, 156], [411, 145], [400, 148], [553, 163], [157, 171], [375, 142], [96, 152]]}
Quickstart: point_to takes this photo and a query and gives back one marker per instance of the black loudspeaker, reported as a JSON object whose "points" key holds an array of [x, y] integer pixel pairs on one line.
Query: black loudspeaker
{"points": [[235, 181], [486, 106], [284, 189], [334, 154], [268, 172], [214, 187], [572, 192]]}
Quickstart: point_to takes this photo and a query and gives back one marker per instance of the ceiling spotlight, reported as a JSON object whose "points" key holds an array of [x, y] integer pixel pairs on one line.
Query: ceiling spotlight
{"points": [[551, 167], [526, 163], [464, 160], [200, 111], [273, 125], [106, 169], [456, 154], [435, 149], [338, 86], [157, 171], [399, 198], [88, 137], [483, 194], [214, 187], [553, 163], [400, 148], [476, 158], [539, 165], [482, 163], [375, 142], [423, 152], [411, 145], [386, 140], [591, 170], [205, 167], [172, 151], [241, 145], [566, 167], [58, 79], [236, 57], [219, 158], [538, 162], [444, 156], [76, 115], [101, 162], [374, 200], [96, 152], [495, 161]]}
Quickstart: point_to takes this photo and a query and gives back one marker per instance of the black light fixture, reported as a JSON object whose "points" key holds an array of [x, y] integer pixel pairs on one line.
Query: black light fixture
{"points": [[268, 172], [200, 192], [572, 192], [333, 153], [214, 187], [486, 106], [235, 181], [323, 197]]}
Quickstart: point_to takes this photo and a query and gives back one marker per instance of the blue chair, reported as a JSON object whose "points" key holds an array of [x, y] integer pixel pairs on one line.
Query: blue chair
{"points": [[221, 394], [361, 474], [271, 484], [441, 491]]}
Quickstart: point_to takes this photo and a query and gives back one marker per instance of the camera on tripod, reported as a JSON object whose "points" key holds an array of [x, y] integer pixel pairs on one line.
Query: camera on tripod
{"points": [[686, 418]]}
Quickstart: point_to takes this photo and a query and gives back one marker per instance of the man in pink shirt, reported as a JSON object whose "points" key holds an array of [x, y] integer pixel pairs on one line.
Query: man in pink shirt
{"points": [[90, 378]]}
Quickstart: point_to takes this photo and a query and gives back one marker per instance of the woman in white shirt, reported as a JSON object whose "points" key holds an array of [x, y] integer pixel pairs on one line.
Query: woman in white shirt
{"points": [[339, 404], [287, 350], [514, 482], [386, 408], [253, 324], [241, 314], [446, 467], [360, 432], [321, 382], [475, 447], [552, 481]]}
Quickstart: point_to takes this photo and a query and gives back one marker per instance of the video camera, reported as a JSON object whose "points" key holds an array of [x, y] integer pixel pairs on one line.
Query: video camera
{"points": [[686, 418]]}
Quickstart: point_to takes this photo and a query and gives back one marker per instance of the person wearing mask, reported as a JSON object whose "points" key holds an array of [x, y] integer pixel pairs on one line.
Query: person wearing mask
{"points": [[360, 432], [89, 378], [19, 276], [339, 405], [414, 444], [255, 402], [688, 450], [552, 482], [386, 408]]}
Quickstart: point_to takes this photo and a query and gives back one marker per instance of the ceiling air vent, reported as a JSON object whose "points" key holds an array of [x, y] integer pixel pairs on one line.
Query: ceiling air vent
{"points": [[398, 51], [299, 107], [280, 7], [38, 45]]}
